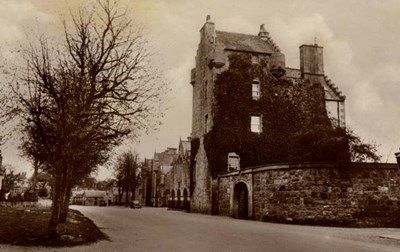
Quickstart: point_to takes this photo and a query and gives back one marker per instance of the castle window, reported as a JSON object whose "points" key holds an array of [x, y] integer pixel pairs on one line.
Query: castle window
{"points": [[256, 89], [255, 124]]}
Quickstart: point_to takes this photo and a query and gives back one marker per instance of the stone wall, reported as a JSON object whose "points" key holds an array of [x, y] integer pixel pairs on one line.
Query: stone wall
{"points": [[364, 194], [201, 196]]}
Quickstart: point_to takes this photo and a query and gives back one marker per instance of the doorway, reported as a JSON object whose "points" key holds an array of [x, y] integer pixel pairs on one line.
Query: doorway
{"points": [[241, 201]]}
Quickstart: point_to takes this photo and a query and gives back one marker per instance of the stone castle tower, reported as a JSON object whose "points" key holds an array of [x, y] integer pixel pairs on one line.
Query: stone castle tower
{"points": [[211, 59]]}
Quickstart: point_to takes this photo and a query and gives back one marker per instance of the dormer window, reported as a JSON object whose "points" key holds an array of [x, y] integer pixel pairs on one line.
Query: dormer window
{"points": [[255, 89]]}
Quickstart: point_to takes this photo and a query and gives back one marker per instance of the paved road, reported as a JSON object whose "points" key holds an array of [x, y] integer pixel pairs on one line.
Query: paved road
{"points": [[158, 229]]}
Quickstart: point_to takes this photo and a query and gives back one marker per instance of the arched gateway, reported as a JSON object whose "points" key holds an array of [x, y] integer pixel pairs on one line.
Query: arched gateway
{"points": [[241, 201]]}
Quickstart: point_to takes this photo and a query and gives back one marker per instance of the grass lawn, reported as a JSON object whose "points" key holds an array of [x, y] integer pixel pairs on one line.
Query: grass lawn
{"points": [[28, 227]]}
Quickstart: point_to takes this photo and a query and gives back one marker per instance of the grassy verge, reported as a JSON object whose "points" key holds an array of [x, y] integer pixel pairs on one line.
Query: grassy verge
{"points": [[28, 227]]}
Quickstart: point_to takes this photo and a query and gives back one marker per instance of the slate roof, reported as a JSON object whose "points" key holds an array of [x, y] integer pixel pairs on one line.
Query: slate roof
{"points": [[293, 73], [245, 42]]}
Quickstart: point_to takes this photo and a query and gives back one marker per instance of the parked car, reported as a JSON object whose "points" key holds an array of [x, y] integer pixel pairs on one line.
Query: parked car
{"points": [[135, 204]]}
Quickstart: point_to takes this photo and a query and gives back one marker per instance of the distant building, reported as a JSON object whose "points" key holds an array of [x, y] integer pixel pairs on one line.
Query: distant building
{"points": [[212, 59], [90, 198], [178, 179], [146, 184], [161, 165]]}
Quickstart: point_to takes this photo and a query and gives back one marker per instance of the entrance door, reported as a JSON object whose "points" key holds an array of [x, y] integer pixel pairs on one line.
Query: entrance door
{"points": [[241, 200]]}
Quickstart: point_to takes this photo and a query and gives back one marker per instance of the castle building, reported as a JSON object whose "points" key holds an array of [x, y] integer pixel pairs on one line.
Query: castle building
{"points": [[212, 59]]}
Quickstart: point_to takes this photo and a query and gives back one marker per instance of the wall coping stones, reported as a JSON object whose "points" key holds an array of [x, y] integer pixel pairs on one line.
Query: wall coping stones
{"points": [[289, 166]]}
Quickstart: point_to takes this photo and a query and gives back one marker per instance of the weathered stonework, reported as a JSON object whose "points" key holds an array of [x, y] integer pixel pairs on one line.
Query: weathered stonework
{"points": [[365, 194]]}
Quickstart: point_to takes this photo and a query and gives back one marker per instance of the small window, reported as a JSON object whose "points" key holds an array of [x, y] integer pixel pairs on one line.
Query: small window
{"points": [[255, 124], [256, 89], [254, 59]]}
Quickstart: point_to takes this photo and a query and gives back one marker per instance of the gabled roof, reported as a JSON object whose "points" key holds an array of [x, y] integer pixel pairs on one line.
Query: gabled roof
{"points": [[245, 42], [185, 146]]}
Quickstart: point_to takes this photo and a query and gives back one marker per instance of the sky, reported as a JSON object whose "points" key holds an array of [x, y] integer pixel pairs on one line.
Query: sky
{"points": [[360, 40]]}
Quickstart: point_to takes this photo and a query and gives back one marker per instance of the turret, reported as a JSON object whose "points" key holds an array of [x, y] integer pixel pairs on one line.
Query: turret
{"points": [[208, 30]]}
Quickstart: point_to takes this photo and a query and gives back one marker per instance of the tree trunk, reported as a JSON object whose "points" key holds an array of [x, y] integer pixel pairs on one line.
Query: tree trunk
{"points": [[35, 173], [127, 196], [55, 209], [64, 200], [65, 204]]}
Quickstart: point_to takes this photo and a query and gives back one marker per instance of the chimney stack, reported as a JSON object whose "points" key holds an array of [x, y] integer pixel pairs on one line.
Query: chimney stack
{"points": [[311, 60]]}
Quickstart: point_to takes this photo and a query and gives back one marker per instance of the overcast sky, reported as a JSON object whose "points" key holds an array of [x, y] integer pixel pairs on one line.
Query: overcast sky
{"points": [[360, 40]]}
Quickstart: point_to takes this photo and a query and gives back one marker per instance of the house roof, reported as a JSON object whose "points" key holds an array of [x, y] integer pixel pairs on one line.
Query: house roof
{"points": [[245, 42], [93, 193], [331, 90], [293, 73], [77, 193]]}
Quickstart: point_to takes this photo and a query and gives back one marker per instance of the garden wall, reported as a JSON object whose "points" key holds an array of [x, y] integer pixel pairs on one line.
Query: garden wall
{"points": [[362, 194]]}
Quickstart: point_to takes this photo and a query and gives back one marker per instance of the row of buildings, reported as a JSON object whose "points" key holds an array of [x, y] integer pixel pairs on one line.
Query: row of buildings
{"points": [[166, 178]]}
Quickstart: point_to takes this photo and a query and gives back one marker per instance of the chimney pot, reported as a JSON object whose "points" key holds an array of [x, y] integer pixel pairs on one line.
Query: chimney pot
{"points": [[263, 34]]}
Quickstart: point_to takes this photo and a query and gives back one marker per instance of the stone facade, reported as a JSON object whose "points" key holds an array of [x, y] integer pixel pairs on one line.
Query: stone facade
{"points": [[212, 59], [364, 194], [161, 165], [179, 178]]}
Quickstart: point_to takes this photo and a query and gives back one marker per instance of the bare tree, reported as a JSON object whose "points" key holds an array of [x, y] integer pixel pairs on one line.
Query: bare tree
{"points": [[127, 172], [80, 101]]}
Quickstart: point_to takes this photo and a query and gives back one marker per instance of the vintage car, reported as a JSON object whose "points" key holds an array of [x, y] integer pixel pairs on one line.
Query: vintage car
{"points": [[135, 204]]}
